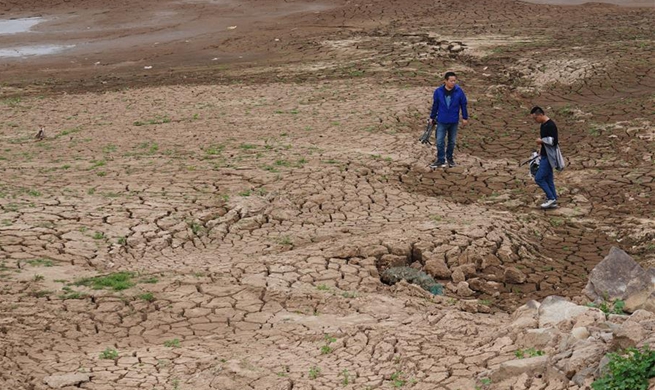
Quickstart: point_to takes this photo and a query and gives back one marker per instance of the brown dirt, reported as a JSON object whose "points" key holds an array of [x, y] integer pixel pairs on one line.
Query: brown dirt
{"points": [[263, 192]]}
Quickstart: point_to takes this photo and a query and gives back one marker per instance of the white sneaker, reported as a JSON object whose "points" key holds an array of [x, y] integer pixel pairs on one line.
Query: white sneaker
{"points": [[549, 204]]}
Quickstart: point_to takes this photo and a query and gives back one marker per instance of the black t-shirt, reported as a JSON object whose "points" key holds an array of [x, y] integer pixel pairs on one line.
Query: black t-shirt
{"points": [[548, 129]]}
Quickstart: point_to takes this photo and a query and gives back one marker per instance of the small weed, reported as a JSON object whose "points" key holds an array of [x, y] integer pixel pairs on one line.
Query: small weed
{"points": [[196, 228], [346, 377], [38, 278], [213, 150], [40, 293], [396, 379], [245, 193], [40, 263], [150, 280], [285, 240], [109, 148], [326, 349], [175, 343], [349, 294], [98, 235], [530, 352], [247, 146], [122, 241], [149, 297], [158, 120], [70, 294], [322, 287], [109, 353], [615, 307], [556, 222], [314, 372]]}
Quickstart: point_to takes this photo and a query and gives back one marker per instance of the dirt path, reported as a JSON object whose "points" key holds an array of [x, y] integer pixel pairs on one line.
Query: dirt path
{"points": [[246, 207]]}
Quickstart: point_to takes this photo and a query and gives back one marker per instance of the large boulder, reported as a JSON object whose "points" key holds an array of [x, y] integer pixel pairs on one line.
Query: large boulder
{"points": [[618, 276], [555, 309]]}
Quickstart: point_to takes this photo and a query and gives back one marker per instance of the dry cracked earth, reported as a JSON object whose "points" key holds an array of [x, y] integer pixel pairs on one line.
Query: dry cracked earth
{"points": [[249, 206]]}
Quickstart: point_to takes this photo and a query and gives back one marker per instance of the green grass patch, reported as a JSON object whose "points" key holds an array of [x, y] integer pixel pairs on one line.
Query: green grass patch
{"points": [[117, 281]]}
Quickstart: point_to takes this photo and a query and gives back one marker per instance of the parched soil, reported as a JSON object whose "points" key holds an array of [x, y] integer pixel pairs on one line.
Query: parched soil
{"points": [[253, 182]]}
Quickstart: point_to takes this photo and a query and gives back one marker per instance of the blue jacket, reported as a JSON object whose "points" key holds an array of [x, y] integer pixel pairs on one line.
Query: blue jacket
{"points": [[448, 114]]}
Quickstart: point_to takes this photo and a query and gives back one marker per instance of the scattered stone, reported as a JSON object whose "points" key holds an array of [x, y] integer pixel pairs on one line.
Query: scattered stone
{"points": [[514, 276], [458, 276], [437, 268], [531, 366], [64, 380], [463, 290]]}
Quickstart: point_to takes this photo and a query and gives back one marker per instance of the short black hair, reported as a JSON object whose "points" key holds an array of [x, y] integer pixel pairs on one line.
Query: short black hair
{"points": [[537, 110], [449, 75]]}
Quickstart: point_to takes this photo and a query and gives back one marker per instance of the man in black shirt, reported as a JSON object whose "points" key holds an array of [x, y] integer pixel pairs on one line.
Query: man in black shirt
{"points": [[547, 138]]}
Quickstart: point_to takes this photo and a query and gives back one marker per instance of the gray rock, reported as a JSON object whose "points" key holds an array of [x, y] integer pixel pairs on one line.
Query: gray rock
{"points": [[630, 334], [538, 338], [514, 368], [586, 354], [618, 276], [555, 309], [59, 381], [580, 333]]}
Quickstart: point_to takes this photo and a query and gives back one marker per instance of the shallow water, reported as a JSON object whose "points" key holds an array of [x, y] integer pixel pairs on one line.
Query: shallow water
{"points": [[15, 26], [38, 50]]}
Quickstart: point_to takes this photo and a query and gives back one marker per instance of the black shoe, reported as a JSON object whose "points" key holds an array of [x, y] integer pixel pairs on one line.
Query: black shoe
{"points": [[451, 164], [438, 164]]}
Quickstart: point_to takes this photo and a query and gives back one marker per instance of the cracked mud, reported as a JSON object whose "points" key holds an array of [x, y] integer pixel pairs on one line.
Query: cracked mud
{"points": [[251, 206]]}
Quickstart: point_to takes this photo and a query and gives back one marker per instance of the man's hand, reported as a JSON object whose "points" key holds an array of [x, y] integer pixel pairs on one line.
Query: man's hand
{"points": [[465, 122], [539, 141], [432, 121]]}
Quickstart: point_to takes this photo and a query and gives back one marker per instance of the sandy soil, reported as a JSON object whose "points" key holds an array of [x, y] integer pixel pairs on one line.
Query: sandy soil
{"points": [[256, 180]]}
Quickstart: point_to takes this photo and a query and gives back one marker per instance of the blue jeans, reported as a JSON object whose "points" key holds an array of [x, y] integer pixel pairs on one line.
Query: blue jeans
{"points": [[545, 178], [442, 129]]}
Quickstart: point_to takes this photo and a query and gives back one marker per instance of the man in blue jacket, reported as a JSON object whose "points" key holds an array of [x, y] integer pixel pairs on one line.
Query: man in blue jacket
{"points": [[448, 99]]}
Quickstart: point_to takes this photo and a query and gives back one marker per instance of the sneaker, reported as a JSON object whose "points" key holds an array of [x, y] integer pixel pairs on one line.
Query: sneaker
{"points": [[549, 204], [452, 164], [437, 164]]}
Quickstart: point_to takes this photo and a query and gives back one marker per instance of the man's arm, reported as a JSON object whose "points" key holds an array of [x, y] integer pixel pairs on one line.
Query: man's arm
{"points": [[435, 106], [465, 113]]}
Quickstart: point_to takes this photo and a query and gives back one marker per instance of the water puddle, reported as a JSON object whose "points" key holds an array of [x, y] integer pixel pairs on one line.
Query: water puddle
{"points": [[26, 51], [15, 26]]}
